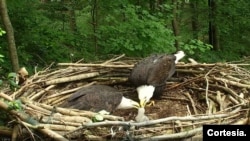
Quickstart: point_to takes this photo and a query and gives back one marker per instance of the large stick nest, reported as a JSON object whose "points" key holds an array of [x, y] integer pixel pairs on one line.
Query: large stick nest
{"points": [[197, 94]]}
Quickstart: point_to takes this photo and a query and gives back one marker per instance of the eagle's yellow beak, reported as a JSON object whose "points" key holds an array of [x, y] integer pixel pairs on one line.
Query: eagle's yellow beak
{"points": [[136, 105], [143, 103]]}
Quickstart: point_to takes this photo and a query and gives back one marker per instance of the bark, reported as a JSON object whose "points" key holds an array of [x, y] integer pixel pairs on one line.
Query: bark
{"points": [[10, 35], [94, 23], [175, 24], [152, 5], [72, 18], [213, 30], [193, 6]]}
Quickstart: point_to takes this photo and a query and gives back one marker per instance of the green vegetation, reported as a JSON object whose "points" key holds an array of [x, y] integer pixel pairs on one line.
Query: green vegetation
{"points": [[2, 32], [67, 31]]}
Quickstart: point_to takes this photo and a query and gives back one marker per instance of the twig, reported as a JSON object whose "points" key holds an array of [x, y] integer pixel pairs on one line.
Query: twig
{"points": [[95, 65], [210, 65], [192, 102], [112, 60], [6, 131], [54, 135], [27, 128], [69, 91], [238, 84], [5, 96], [168, 119], [14, 133], [230, 91], [71, 78], [207, 85], [37, 95], [25, 117], [176, 135]]}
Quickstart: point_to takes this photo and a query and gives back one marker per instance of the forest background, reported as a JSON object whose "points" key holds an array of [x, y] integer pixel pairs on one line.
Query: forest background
{"points": [[35, 33]]}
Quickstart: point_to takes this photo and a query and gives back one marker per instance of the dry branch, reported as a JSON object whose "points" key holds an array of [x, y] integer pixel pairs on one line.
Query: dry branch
{"points": [[163, 120], [238, 84], [28, 120], [192, 102], [180, 135], [95, 65], [71, 78]]}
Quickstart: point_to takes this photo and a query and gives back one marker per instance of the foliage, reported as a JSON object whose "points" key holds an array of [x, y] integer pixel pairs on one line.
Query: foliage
{"points": [[43, 31], [12, 105], [138, 35], [194, 46], [4, 117], [12, 79], [15, 105], [2, 32]]}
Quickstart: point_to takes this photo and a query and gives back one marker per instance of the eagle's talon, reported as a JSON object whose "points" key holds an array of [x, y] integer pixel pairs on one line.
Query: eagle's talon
{"points": [[151, 103]]}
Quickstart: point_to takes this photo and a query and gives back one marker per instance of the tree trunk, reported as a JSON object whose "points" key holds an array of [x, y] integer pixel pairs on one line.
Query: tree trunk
{"points": [[72, 20], [213, 30], [10, 35], [71, 15], [94, 23], [175, 24], [193, 6], [152, 5]]}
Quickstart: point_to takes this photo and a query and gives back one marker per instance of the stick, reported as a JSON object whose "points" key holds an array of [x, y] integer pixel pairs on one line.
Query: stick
{"points": [[112, 60], [95, 65], [5, 96], [238, 84], [37, 95], [175, 136], [192, 102], [207, 85], [70, 91], [71, 78], [168, 119], [25, 117]]}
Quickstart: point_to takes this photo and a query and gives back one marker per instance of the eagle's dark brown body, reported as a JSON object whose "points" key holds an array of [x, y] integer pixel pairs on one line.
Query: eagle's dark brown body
{"points": [[95, 98], [154, 70]]}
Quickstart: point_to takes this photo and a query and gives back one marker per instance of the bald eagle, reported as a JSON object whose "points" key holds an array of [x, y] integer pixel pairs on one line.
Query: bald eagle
{"points": [[150, 74], [99, 97]]}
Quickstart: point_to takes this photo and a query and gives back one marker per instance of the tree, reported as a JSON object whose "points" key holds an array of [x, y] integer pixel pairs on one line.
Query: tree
{"points": [[194, 18], [10, 35], [175, 24], [213, 29]]}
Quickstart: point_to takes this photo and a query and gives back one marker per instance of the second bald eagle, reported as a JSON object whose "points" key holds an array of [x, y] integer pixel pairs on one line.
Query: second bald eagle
{"points": [[99, 97], [150, 74]]}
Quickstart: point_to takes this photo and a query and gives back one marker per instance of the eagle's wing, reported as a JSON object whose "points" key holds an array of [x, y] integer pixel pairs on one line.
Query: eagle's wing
{"points": [[95, 98]]}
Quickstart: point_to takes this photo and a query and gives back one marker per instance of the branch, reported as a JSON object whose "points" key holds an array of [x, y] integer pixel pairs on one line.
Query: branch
{"points": [[71, 78], [176, 135], [238, 84], [95, 65]]}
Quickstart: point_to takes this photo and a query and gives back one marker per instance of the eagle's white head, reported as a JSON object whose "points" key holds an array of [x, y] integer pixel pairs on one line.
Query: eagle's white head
{"points": [[179, 55], [145, 92], [127, 103]]}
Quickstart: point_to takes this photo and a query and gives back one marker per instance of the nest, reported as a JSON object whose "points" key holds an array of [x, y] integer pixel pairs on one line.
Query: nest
{"points": [[197, 94]]}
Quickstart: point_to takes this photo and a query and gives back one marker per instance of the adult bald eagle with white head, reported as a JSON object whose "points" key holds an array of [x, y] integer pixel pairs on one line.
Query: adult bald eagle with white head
{"points": [[99, 97], [150, 75]]}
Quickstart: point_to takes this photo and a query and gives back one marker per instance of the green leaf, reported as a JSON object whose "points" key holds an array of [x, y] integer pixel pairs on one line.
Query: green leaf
{"points": [[13, 84], [12, 75], [97, 118]]}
